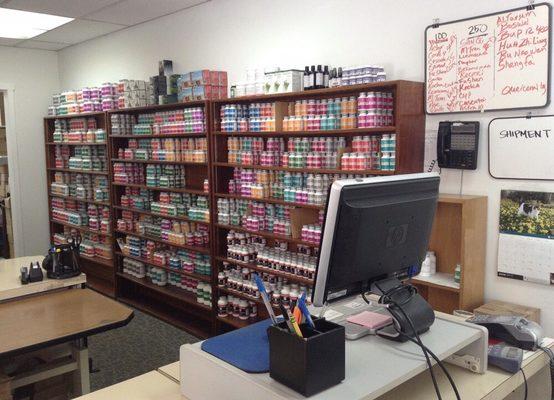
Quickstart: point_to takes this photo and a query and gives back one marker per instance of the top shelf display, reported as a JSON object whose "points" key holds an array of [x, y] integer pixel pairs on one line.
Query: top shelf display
{"points": [[390, 107]]}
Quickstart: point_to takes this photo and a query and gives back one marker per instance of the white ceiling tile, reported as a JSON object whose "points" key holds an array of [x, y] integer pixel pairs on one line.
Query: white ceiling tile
{"points": [[78, 31], [37, 44], [131, 12], [66, 8], [8, 42]]}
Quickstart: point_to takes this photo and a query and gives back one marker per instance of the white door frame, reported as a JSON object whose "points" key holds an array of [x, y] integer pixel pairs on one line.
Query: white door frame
{"points": [[8, 90]]}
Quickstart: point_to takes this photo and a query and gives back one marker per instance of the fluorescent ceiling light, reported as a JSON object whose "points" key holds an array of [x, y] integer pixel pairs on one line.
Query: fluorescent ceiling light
{"points": [[15, 24]]}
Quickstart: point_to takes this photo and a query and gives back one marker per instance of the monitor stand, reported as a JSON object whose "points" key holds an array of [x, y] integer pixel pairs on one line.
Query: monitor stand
{"points": [[409, 310], [418, 310]]}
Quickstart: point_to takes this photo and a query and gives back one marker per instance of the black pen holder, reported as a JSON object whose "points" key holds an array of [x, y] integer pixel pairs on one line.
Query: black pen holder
{"points": [[311, 364]]}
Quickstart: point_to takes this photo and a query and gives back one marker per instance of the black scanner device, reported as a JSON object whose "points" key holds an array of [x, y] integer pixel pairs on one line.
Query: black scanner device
{"points": [[513, 330], [33, 274]]}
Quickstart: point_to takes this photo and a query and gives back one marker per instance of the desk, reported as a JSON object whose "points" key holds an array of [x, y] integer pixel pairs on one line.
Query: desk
{"points": [[10, 284], [172, 371], [48, 319], [494, 384], [150, 386]]}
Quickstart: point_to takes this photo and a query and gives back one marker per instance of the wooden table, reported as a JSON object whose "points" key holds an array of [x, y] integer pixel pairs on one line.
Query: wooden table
{"points": [[57, 317], [45, 320], [10, 284]]}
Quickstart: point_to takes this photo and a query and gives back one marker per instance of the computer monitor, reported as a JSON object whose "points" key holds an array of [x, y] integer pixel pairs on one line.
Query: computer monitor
{"points": [[375, 228]]}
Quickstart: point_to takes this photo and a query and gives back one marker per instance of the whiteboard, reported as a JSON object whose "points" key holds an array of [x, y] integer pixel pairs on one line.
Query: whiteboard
{"points": [[522, 148], [492, 62]]}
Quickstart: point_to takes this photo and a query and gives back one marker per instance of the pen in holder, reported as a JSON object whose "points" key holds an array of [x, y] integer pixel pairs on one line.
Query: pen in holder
{"points": [[310, 364]]}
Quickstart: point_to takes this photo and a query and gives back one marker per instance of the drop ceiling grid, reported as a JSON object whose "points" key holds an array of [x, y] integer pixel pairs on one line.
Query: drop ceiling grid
{"points": [[92, 18]]}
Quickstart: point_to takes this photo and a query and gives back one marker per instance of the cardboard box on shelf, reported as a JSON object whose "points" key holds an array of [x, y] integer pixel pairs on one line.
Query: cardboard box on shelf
{"points": [[497, 307]]}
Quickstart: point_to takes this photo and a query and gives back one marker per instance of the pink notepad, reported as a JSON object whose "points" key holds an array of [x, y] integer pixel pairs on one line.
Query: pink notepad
{"points": [[370, 319]]}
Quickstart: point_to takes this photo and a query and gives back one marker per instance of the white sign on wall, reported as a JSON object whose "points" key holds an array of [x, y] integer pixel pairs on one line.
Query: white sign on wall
{"points": [[522, 147], [491, 62]]}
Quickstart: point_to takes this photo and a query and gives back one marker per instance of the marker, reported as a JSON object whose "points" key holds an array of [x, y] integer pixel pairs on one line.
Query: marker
{"points": [[265, 298], [292, 321], [302, 306], [286, 317]]}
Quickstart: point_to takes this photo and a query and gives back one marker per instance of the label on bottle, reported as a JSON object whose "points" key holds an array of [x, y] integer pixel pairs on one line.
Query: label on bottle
{"points": [[326, 80], [306, 81], [319, 79]]}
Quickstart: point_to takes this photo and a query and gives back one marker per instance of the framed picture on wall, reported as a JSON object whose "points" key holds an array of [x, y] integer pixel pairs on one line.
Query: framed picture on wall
{"points": [[526, 236]]}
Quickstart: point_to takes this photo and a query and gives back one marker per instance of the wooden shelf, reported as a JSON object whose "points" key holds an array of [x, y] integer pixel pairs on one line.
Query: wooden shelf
{"points": [[305, 170], [145, 212], [377, 86], [203, 250], [331, 132], [79, 171], [161, 136], [244, 296], [168, 290], [76, 144], [268, 235], [159, 107], [286, 275], [80, 228], [162, 189], [80, 115], [458, 236], [100, 286], [236, 322], [98, 203], [124, 160], [203, 278], [98, 260], [440, 280], [240, 294], [272, 201]]}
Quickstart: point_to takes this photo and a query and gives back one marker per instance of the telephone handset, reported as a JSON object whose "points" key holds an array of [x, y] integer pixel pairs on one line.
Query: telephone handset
{"points": [[457, 144]]}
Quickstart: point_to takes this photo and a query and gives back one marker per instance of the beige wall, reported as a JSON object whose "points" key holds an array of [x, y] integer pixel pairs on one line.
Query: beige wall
{"points": [[33, 74]]}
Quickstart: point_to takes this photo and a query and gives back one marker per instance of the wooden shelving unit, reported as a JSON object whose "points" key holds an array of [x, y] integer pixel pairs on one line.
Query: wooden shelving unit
{"points": [[180, 307], [168, 303], [100, 272], [458, 237], [408, 125]]}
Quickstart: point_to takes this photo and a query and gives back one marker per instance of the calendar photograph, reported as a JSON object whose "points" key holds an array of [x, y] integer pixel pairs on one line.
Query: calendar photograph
{"points": [[526, 236]]}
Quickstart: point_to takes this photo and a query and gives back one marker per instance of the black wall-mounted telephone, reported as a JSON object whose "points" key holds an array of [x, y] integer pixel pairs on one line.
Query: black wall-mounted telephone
{"points": [[457, 144]]}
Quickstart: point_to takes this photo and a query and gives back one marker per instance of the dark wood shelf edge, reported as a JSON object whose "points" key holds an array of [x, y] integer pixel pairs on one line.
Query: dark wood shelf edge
{"points": [[268, 235], [159, 107], [163, 162], [174, 217], [333, 132], [254, 267], [305, 170], [202, 250], [169, 291], [270, 200], [236, 322]]}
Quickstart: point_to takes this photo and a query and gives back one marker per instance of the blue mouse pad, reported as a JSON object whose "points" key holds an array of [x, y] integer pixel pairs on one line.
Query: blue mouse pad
{"points": [[246, 348]]}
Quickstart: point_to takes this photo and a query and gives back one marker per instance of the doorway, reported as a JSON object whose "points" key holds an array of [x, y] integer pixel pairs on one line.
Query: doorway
{"points": [[7, 248]]}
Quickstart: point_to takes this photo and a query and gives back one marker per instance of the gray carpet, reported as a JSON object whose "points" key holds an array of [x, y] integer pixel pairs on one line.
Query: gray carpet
{"points": [[145, 344]]}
